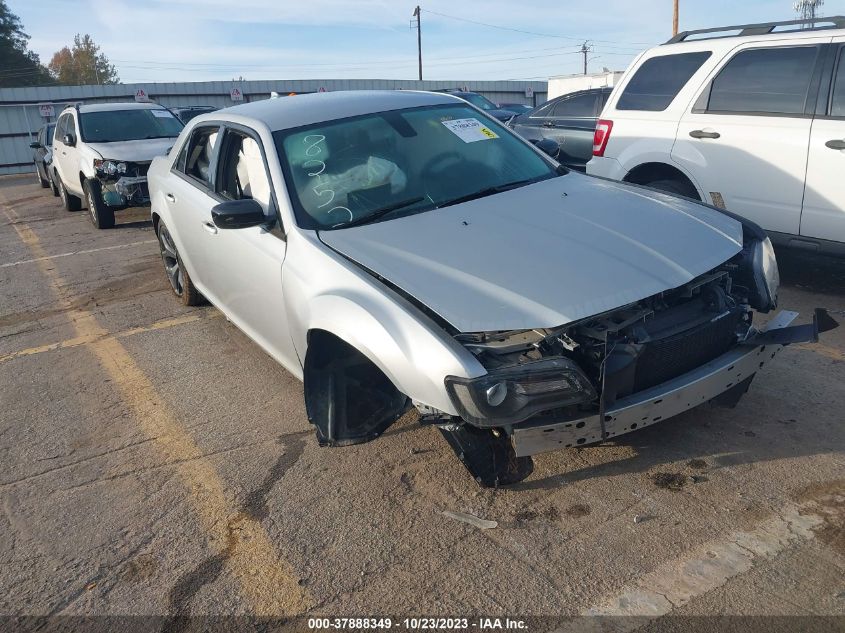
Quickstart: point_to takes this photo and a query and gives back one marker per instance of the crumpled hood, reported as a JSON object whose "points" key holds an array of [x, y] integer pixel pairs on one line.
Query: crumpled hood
{"points": [[543, 255], [134, 151]]}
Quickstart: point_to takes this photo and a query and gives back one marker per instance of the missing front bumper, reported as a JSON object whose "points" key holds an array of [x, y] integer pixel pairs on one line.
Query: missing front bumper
{"points": [[723, 376]]}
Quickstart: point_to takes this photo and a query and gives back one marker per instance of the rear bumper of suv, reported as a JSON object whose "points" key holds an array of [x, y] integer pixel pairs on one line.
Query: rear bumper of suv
{"points": [[605, 167]]}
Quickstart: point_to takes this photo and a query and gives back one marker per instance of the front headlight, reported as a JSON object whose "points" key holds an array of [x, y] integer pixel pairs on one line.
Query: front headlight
{"points": [[109, 167], [766, 275], [513, 394]]}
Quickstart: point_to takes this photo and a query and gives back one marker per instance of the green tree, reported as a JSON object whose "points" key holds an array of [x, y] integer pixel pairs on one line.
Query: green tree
{"points": [[18, 65], [83, 64]]}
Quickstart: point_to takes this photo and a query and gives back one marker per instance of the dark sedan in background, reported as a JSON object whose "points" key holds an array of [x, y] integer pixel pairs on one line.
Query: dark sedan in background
{"points": [[42, 153], [569, 120], [482, 102]]}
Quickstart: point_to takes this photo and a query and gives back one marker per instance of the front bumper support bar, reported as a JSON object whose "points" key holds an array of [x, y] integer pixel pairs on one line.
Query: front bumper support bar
{"points": [[705, 383]]}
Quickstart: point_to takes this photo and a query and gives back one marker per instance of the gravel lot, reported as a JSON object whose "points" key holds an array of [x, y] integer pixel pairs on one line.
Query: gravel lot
{"points": [[156, 462]]}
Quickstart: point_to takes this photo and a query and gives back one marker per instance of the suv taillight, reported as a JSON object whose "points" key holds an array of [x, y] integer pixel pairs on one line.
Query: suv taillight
{"points": [[601, 136]]}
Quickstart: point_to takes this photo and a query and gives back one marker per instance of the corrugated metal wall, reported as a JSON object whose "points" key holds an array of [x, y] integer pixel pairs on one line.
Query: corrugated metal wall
{"points": [[20, 118]]}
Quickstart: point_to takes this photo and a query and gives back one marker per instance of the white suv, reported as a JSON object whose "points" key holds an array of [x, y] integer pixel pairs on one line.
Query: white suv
{"points": [[750, 118], [102, 153]]}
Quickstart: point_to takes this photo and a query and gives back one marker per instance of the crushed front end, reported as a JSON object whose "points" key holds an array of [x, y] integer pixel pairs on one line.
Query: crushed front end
{"points": [[616, 372], [123, 183]]}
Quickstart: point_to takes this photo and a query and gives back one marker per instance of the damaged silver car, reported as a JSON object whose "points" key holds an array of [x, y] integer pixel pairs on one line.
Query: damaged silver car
{"points": [[402, 249]]}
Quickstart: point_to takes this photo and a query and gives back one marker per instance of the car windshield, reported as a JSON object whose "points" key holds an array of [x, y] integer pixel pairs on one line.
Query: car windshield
{"points": [[50, 130], [479, 101], [110, 126], [380, 166]]}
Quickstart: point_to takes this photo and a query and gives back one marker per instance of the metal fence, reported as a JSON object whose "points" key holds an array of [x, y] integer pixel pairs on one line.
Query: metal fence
{"points": [[21, 116]]}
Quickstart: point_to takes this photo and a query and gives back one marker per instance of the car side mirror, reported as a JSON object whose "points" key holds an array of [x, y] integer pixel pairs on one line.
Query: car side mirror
{"points": [[35, 145], [238, 214], [548, 146], [69, 140]]}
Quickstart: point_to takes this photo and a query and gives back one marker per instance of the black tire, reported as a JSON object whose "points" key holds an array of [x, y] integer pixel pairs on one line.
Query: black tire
{"points": [[174, 269], [69, 201], [677, 187], [41, 181], [53, 187], [101, 214]]}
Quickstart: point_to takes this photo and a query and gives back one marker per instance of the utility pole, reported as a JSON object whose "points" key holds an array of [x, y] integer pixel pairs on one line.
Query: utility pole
{"points": [[418, 16], [675, 18], [584, 50]]}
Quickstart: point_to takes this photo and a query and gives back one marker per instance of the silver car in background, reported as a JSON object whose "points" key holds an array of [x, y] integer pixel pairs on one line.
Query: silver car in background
{"points": [[402, 249]]}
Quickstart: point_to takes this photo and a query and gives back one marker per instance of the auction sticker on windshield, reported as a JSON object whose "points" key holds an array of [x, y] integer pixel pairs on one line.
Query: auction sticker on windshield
{"points": [[162, 114], [469, 130]]}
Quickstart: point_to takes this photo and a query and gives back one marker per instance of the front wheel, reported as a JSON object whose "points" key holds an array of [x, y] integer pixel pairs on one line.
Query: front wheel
{"points": [[41, 181], [102, 216], [180, 280], [53, 187]]}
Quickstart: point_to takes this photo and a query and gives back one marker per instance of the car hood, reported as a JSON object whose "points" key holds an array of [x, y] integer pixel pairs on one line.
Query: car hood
{"points": [[134, 151], [543, 255]]}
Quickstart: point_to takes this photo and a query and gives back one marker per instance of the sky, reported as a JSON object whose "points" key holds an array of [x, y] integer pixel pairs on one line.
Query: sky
{"points": [[204, 40]]}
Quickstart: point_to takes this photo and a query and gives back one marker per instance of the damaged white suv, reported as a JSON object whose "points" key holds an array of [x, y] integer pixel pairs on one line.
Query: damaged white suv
{"points": [[402, 249], [101, 153]]}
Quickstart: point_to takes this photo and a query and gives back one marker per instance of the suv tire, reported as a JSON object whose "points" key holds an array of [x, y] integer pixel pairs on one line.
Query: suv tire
{"points": [[180, 281], [41, 181], [102, 215], [69, 201], [52, 178], [677, 187]]}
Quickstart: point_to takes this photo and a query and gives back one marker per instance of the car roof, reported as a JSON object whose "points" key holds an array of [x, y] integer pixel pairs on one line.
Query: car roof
{"points": [[110, 107], [284, 113]]}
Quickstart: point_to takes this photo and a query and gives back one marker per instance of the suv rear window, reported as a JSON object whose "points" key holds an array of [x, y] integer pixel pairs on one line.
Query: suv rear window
{"points": [[766, 80], [659, 80]]}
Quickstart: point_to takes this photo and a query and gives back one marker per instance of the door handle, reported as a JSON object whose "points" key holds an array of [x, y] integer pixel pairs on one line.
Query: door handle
{"points": [[835, 144], [704, 134], [209, 226], [170, 197]]}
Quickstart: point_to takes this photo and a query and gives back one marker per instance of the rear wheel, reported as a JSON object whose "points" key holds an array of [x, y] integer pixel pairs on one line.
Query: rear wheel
{"points": [[180, 280], [69, 201], [677, 187], [102, 216]]}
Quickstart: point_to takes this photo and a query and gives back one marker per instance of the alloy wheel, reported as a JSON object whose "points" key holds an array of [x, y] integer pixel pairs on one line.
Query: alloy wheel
{"points": [[170, 258]]}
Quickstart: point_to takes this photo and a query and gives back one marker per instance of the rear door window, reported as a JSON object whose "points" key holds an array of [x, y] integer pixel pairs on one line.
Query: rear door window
{"points": [[196, 158], [764, 80], [577, 106], [658, 81], [837, 102]]}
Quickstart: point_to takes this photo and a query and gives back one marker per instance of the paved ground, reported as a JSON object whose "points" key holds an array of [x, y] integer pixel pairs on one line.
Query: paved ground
{"points": [[154, 461]]}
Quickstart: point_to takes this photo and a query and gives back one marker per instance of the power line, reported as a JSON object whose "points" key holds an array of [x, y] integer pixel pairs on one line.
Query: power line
{"points": [[507, 28]]}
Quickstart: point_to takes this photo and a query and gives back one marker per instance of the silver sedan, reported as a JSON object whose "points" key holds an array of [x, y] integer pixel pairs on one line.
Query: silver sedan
{"points": [[402, 249]]}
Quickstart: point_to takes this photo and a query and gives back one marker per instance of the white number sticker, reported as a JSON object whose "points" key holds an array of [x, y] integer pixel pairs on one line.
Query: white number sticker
{"points": [[470, 130]]}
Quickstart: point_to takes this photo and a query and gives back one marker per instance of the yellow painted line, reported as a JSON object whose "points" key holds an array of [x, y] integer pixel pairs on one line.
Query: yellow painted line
{"points": [[268, 583], [85, 340]]}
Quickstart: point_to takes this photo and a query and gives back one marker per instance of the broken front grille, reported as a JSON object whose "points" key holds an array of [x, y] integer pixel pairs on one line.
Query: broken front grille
{"points": [[666, 358]]}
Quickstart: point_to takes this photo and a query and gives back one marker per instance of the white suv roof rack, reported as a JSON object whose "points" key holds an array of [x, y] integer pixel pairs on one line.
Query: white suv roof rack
{"points": [[763, 28]]}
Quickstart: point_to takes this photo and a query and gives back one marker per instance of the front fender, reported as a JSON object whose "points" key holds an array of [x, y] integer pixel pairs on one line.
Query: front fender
{"points": [[415, 356]]}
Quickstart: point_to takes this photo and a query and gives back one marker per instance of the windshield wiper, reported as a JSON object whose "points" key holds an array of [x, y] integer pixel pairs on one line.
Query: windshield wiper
{"points": [[380, 213], [487, 191]]}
